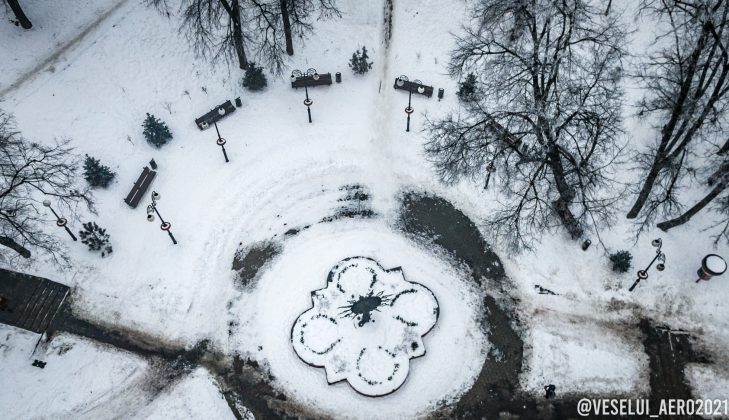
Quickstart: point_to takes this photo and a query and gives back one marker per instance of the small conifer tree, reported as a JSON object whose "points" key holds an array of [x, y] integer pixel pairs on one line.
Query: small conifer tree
{"points": [[96, 174], [254, 79], [156, 131], [467, 88], [360, 63], [621, 261], [96, 238]]}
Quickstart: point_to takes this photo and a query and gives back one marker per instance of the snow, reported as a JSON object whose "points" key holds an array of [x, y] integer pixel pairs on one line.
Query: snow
{"points": [[715, 264], [78, 376], [197, 396], [370, 348], [584, 360], [708, 381], [286, 173], [55, 29], [455, 348]]}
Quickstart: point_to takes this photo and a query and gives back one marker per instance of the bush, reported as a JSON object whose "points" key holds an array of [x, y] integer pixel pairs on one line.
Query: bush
{"points": [[621, 261], [96, 174], [467, 88], [96, 238], [254, 79], [359, 63], [156, 131]]}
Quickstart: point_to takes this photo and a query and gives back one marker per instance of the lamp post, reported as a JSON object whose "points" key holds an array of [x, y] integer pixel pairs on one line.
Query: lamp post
{"points": [[221, 141], [152, 208], [660, 257], [400, 82], [60, 221], [295, 75]]}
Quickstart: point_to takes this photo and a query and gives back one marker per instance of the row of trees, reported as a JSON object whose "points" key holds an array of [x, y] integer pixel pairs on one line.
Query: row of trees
{"points": [[231, 29], [543, 110]]}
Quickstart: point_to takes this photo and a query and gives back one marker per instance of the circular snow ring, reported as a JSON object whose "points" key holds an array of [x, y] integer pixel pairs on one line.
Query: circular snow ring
{"points": [[456, 345], [308, 102], [409, 110], [166, 226], [61, 222], [220, 141]]}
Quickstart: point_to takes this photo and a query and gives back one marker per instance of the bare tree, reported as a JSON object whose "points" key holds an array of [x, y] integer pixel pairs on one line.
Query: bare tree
{"points": [[224, 28], [29, 173], [274, 24], [19, 14], [718, 182], [546, 116], [687, 79], [213, 27], [297, 16]]}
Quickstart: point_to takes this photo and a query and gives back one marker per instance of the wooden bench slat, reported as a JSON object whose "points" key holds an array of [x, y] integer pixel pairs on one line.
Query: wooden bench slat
{"points": [[213, 116], [140, 187]]}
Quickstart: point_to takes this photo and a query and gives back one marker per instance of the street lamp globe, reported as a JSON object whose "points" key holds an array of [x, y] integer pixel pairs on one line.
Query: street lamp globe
{"points": [[155, 196], [47, 203], [221, 111], [150, 217]]}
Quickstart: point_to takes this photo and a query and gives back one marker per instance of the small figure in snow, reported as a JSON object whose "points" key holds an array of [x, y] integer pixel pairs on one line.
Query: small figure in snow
{"points": [[550, 391]]}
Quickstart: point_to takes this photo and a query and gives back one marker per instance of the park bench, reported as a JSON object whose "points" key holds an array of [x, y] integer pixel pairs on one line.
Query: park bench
{"points": [[413, 87], [307, 80], [140, 187], [215, 115]]}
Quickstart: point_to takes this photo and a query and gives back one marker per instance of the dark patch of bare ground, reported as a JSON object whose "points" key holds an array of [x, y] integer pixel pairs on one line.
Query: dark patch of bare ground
{"points": [[249, 260]]}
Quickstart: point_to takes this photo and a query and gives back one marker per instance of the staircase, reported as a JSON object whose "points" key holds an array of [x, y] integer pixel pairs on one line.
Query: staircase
{"points": [[32, 301]]}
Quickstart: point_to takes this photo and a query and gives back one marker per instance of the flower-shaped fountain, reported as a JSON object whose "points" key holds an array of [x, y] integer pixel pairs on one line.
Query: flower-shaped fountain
{"points": [[365, 326]]}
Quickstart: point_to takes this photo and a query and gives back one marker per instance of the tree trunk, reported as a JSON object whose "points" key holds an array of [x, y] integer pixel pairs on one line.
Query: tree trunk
{"points": [[566, 195], [22, 19], [645, 191], [238, 36], [724, 148], [568, 220], [287, 27], [664, 226], [10, 243]]}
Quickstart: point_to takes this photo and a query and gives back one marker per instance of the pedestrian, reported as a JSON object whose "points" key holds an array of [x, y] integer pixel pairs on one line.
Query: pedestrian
{"points": [[549, 391]]}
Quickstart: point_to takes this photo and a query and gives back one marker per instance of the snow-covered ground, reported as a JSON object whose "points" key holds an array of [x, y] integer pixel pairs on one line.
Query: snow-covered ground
{"points": [[286, 173]]}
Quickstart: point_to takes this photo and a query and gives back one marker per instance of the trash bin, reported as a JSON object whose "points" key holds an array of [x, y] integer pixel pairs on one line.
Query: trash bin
{"points": [[238, 103], [338, 77], [440, 93]]}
